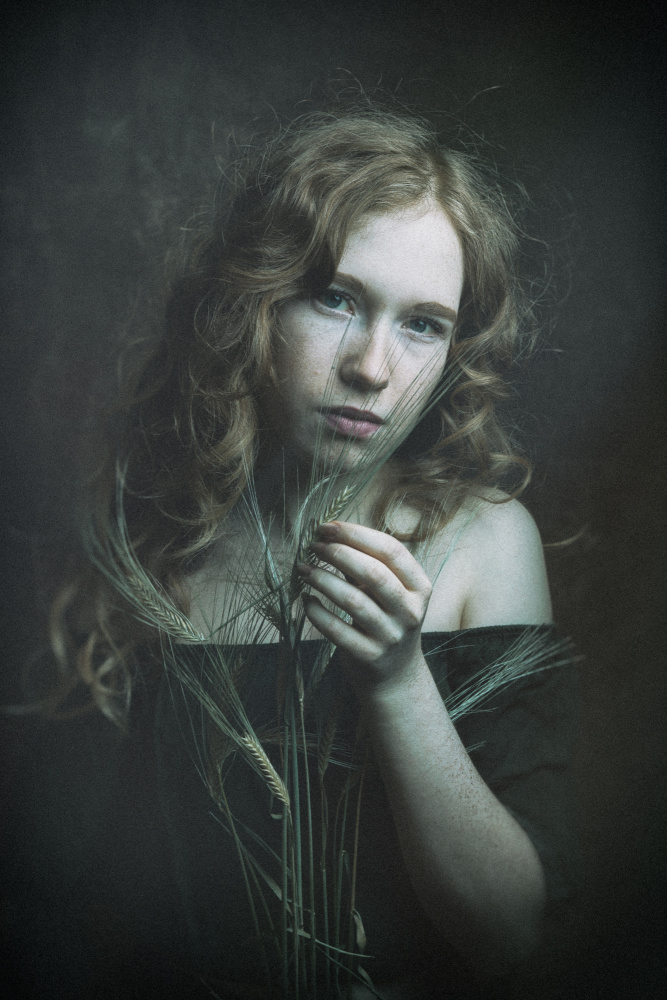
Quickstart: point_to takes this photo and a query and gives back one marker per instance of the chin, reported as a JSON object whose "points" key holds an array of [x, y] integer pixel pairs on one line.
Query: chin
{"points": [[339, 456]]}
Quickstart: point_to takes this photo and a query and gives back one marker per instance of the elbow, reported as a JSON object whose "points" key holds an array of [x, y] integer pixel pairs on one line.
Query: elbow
{"points": [[494, 951], [514, 922], [505, 953], [493, 914], [492, 940]]}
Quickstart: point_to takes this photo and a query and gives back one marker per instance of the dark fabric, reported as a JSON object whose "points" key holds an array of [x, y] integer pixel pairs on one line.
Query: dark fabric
{"points": [[119, 881], [522, 742]]}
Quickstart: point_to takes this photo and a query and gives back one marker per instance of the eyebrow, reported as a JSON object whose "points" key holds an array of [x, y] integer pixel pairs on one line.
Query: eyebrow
{"points": [[358, 287]]}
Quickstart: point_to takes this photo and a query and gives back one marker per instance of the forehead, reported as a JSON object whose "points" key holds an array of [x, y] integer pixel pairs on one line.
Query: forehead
{"points": [[416, 248]]}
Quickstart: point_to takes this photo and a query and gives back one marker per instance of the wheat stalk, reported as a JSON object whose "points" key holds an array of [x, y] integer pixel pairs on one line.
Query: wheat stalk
{"points": [[269, 610], [271, 589], [333, 510], [268, 771], [326, 742], [220, 747], [169, 619], [236, 672], [330, 513]]}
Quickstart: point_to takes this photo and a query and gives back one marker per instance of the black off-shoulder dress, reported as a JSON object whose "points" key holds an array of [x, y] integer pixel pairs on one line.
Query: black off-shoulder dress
{"points": [[118, 879]]}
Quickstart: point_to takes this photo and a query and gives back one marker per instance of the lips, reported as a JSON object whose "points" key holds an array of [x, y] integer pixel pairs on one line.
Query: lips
{"points": [[350, 422]]}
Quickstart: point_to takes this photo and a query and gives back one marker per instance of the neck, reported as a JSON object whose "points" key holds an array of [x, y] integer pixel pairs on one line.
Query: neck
{"points": [[286, 491]]}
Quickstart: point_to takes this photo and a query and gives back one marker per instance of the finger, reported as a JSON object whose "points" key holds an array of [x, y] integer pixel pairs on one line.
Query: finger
{"points": [[342, 634], [369, 574], [365, 612], [381, 546]]}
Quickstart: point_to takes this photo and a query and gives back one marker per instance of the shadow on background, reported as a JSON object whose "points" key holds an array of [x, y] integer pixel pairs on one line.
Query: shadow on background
{"points": [[113, 116]]}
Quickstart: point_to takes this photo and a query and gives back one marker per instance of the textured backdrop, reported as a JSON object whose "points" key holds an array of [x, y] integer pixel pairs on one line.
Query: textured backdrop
{"points": [[115, 120]]}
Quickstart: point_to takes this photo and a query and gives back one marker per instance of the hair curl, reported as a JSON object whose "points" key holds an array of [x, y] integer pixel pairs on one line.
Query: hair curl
{"points": [[192, 423]]}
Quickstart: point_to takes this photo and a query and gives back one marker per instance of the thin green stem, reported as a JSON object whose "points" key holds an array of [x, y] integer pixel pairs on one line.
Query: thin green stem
{"points": [[297, 894], [253, 911], [284, 873], [355, 853]]}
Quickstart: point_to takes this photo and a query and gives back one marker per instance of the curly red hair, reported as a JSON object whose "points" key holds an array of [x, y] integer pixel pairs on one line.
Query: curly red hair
{"points": [[192, 422]]}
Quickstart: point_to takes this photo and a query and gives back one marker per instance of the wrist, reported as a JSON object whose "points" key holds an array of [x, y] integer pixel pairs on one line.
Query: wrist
{"points": [[389, 688]]}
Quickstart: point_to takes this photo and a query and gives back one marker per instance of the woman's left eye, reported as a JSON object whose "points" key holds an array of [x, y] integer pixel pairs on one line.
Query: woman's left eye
{"points": [[425, 327], [333, 299]]}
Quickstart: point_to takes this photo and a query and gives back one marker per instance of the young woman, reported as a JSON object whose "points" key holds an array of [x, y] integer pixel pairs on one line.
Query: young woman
{"points": [[300, 558]]}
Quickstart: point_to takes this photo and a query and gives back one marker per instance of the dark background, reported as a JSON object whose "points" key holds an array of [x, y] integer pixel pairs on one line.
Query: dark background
{"points": [[113, 118]]}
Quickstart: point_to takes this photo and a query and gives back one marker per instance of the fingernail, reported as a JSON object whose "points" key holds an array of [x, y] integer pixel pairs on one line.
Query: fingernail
{"points": [[327, 532], [318, 547], [303, 569]]}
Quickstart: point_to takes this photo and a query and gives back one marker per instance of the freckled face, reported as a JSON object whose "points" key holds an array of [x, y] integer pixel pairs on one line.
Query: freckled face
{"points": [[362, 357]]}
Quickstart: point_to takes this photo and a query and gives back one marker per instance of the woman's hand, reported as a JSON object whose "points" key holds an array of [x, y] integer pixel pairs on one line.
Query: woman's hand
{"points": [[386, 593], [473, 867]]}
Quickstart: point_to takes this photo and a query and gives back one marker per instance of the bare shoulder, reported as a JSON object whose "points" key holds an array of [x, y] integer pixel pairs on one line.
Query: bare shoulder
{"points": [[494, 561], [502, 530]]}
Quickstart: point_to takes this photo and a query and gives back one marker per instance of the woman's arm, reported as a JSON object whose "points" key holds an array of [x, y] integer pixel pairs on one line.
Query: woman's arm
{"points": [[475, 870]]}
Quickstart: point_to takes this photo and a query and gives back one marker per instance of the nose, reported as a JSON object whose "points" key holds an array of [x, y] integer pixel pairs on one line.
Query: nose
{"points": [[365, 362]]}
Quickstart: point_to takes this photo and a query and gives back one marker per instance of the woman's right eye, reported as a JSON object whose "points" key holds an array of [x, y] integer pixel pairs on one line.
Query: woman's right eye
{"points": [[333, 299]]}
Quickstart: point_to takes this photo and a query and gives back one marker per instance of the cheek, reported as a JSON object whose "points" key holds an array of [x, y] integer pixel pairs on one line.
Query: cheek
{"points": [[426, 377], [303, 363], [299, 355], [299, 380]]}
